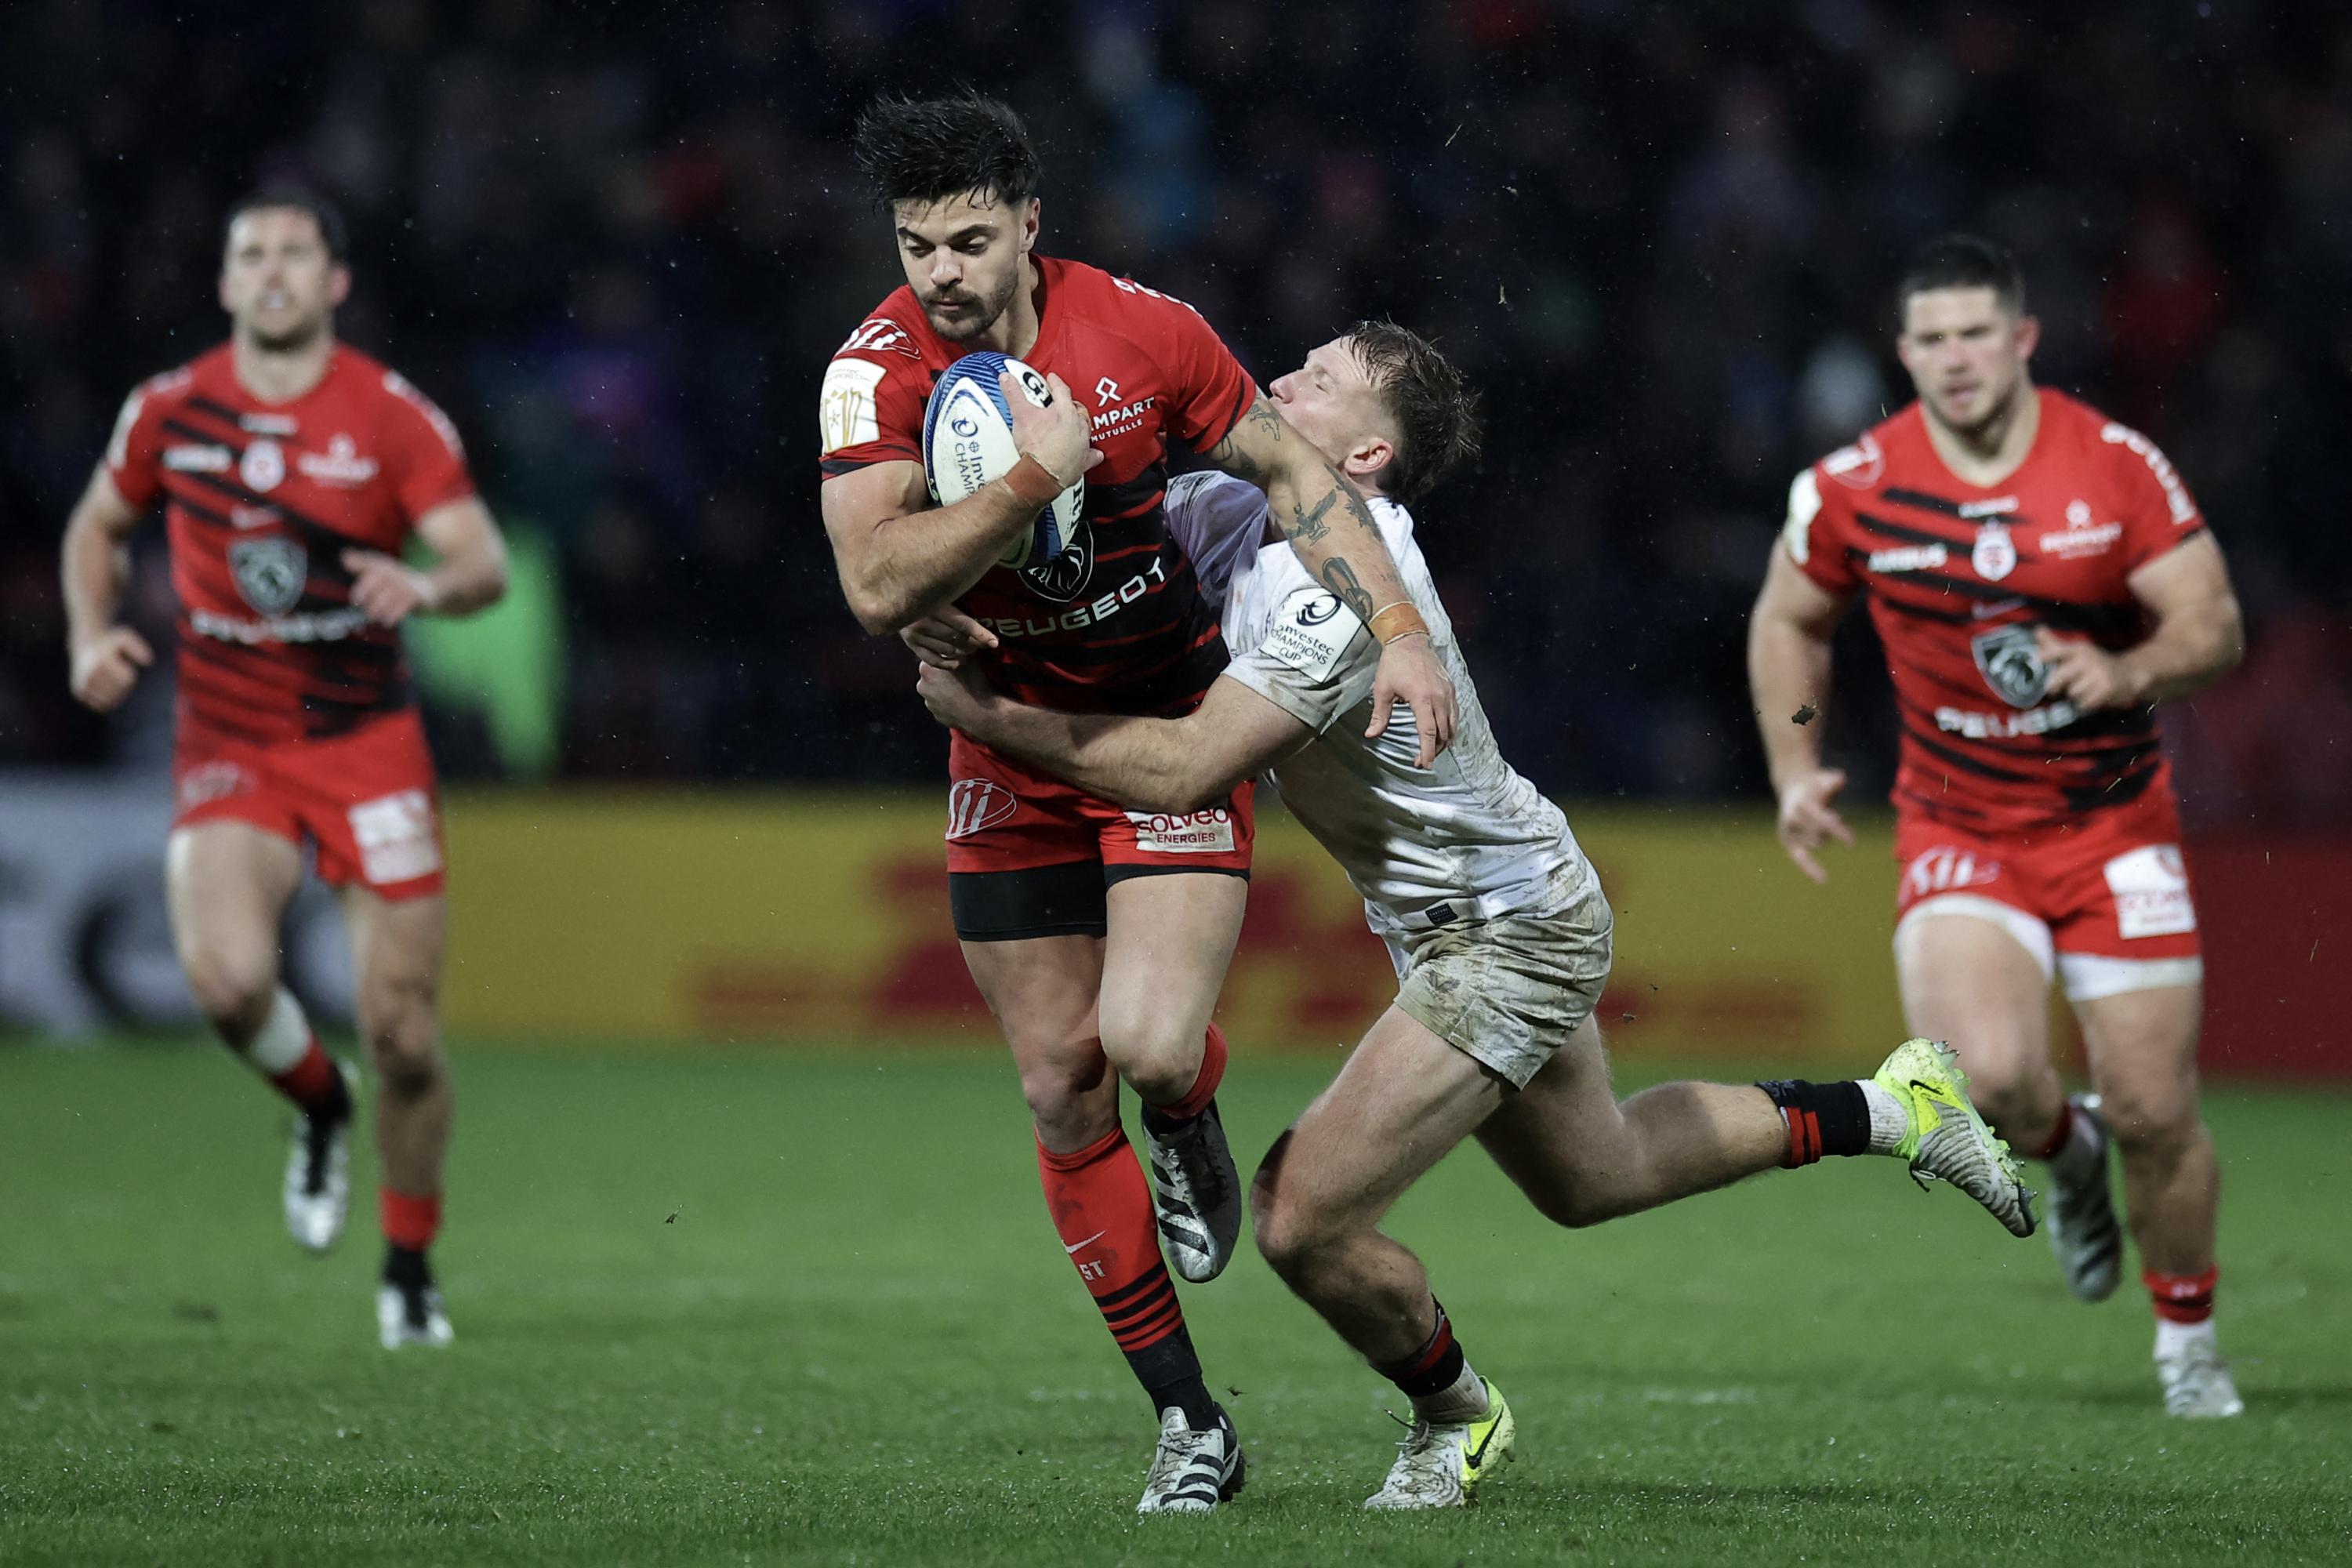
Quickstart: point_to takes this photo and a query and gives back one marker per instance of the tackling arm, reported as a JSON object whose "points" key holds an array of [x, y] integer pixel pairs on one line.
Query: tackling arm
{"points": [[1150, 764], [94, 565], [1332, 531]]}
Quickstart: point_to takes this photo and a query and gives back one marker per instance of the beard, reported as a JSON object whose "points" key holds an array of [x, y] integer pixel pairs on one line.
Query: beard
{"points": [[301, 335], [1990, 414], [977, 316]]}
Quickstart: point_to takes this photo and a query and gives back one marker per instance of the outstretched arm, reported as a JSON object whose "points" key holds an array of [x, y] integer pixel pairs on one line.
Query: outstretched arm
{"points": [[1150, 764], [1336, 540]]}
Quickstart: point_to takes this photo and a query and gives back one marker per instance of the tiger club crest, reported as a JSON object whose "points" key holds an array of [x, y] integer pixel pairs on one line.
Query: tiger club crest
{"points": [[2012, 665], [270, 571]]}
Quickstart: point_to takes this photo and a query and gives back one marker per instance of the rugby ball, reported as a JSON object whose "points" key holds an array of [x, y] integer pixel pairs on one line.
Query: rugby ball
{"points": [[968, 442]]}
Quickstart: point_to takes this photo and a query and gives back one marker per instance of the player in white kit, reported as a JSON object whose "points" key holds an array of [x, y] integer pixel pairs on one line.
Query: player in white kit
{"points": [[1491, 915]]}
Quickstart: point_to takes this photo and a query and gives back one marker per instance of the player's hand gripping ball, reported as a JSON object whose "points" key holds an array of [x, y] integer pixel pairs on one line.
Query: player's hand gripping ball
{"points": [[968, 442]]}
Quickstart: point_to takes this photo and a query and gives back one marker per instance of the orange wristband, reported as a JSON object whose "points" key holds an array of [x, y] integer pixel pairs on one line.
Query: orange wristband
{"points": [[1032, 483], [1392, 622]]}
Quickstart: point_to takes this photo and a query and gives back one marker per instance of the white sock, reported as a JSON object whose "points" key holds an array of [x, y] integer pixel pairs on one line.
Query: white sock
{"points": [[1464, 1399], [284, 1039], [2083, 1155], [1890, 1118], [2174, 1340]]}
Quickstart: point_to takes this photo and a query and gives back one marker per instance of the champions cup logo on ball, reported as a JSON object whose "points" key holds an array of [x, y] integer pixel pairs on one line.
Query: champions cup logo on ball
{"points": [[968, 443]]}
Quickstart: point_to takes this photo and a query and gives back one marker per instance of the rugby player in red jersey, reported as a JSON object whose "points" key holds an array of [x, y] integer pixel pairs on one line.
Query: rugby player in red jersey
{"points": [[2041, 579], [292, 469], [1099, 937]]}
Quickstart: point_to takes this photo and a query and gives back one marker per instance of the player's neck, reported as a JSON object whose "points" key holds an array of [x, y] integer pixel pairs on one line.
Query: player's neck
{"points": [[1022, 319], [282, 376], [1995, 450]]}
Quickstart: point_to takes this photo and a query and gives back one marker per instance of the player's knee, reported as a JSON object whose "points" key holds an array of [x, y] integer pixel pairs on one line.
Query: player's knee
{"points": [[1066, 1090], [2007, 1095], [397, 1020], [232, 990], [1295, 1238], [2152, 1116], [1288, 1240], [1577, 1204], [1152, 1050]]}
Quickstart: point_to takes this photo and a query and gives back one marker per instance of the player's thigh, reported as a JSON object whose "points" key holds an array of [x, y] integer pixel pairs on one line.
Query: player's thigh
{"points": [[1565, 1123], [1043, 992], [1170, 937], [2142, 1049], [396, 944], [227, 884], [1405, 1099], [396, 973], [1976, 981]]}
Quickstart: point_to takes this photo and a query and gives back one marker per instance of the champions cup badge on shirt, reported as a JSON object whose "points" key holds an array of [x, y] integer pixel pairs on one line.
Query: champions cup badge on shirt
{"points": [[1995, 555], [269, 571]]}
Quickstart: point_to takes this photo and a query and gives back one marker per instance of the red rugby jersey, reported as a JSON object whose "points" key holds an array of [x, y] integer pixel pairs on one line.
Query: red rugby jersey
{"points": [[260, 500], [1960, 577], [1117, 623]]}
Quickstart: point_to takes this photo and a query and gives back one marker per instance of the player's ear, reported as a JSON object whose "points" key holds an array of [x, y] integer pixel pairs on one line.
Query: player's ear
{"points": [[1029, 225], [1369, 459], [339, 284], [2029, 334]]}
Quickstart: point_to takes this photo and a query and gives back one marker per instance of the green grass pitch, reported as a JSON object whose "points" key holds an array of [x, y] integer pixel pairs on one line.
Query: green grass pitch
{"points": [[760, 1306]]}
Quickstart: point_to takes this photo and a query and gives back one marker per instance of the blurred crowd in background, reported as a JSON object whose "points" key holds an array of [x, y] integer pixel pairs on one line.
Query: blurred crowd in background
{"points": [[619, 244]]}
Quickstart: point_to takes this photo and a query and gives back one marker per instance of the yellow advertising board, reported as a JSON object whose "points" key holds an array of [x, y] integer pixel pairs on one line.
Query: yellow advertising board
{"points": [[663, 917]]}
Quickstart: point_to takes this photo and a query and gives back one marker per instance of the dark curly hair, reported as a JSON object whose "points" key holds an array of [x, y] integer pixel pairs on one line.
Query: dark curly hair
{"points": [[1434, 407], [932, 149]]}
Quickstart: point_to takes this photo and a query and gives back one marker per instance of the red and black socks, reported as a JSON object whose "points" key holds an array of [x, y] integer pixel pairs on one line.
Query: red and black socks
{"points": [[289, 1055], [1823, 1119], [2184, 1308], [411, 1221], [1162, 1119], [1437, 1377], [1102, 1208]]}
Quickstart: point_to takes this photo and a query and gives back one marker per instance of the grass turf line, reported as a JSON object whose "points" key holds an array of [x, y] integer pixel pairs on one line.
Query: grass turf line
{"points": [[853, 1342]]}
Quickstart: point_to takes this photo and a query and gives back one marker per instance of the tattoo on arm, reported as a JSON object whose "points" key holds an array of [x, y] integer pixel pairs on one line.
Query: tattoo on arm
{"points": [[1340, 578], [1309, 525], [1229, 454]]}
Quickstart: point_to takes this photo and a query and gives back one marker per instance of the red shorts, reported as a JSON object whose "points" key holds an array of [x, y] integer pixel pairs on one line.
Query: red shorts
{"points": [[1030, 855], [2103, 902], [365, 801]]}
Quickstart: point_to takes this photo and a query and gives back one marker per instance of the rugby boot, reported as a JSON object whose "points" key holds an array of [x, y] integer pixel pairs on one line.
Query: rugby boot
{"points": [[2083, 1231], [2197, 1382], [1441, 1465], [1193, 1471], [317, 1188], [1947, 1140], [1196, 1193]]}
